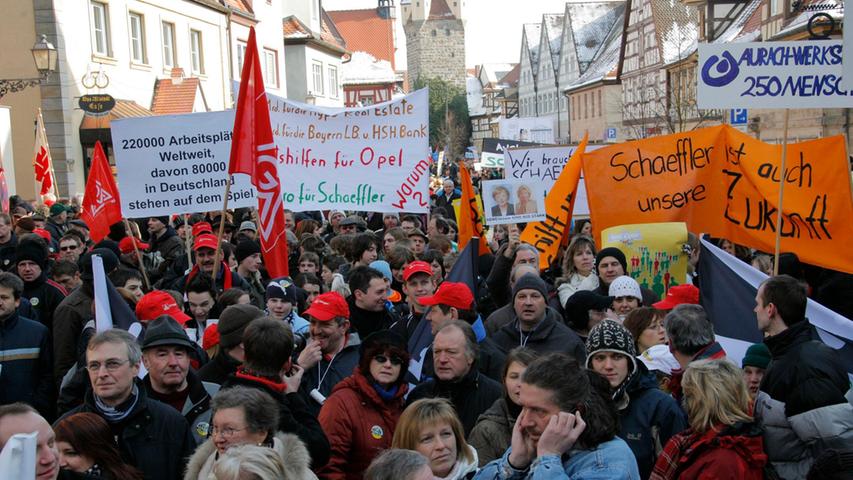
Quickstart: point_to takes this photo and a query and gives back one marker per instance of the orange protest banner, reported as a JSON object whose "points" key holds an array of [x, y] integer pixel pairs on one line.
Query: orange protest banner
{"points": [[470, 216], [723, 182], [559, 204]]}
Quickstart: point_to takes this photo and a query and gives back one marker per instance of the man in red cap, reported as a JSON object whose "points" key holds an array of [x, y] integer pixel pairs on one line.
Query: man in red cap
{"points": [[129, 259], [418, 283], [454, 301], [331, 354], [205, 252]]}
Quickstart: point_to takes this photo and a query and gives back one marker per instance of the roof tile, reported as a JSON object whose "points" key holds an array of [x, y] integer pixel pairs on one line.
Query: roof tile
{"points": [[174, 95], [365, 31]]}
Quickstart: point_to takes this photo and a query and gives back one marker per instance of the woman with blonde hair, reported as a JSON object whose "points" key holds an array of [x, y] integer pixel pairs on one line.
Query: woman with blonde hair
{"points": [[723, 441], [526, 202], [250, 462], [430, 427], [578, 268]]}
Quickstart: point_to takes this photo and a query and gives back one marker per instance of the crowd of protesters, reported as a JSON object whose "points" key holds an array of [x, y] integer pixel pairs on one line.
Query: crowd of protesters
{"points": [[367, 363]]}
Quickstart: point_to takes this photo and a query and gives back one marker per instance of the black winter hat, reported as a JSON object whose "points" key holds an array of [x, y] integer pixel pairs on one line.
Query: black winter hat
{"points": [[610, 336], [245, 249], [32, 251], [110, 262], [612, 252], [233, 321], [530, 281], [577, 307]]}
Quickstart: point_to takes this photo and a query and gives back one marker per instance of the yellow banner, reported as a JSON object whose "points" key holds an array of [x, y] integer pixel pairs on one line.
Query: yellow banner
{"points": [[653, 251]]}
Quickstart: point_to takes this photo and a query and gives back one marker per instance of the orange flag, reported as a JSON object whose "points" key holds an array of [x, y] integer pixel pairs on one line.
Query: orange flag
{"points": [[546, 235], [470, 219]]}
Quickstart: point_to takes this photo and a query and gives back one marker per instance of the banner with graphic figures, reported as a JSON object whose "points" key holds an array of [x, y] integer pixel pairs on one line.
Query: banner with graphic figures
{"points": [[654, 253]]}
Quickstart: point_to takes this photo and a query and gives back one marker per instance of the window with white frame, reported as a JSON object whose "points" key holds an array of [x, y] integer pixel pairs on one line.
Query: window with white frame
{"points": [[168, 44], [317, 71], [241, 55], [333, 81], [196, 52], [137, 38], [100, 28], [270, 68]]}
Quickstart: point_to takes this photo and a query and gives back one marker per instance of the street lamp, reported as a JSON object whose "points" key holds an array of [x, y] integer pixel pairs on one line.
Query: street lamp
{"points": [[310, 99], [44, 56]]}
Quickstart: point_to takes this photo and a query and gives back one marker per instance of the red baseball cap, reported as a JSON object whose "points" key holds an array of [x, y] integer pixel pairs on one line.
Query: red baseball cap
{"points": [[678, 295], [126, 244], [328, 306], [201, 228], [417, 266], [156, 303], [205, 240], [43, 234], [452, 294], [211, 337]]}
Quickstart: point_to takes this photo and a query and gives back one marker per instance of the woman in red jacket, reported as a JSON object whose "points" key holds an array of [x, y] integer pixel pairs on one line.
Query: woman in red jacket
{"points": [[723, 440], [360, 415]]}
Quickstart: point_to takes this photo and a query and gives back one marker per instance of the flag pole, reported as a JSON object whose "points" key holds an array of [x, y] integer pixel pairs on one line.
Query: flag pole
{"points": [[138, 255], [187, 244], [781, 194], [221, 230]]}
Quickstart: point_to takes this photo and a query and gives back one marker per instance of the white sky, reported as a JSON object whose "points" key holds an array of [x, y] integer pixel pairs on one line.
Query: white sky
{"points": [[492, 30]]}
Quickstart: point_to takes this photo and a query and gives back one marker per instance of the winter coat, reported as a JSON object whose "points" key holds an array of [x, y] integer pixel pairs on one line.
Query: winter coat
{"points": [[610, 460], [8, 251], [44, 296], [804, 373], [648, 418], [359, 425], [154, 438], [293, 414], [471, 396], [549, 335], [736, 452], [70, 317], [289, 448], [170, 246], [234, 280], [493, 433], [26, 364], [56, 230], [196, 408], [506, 314], [575, 284], [490, 361], [442, 201], [793, 443], [218, 369], [331, 372]]}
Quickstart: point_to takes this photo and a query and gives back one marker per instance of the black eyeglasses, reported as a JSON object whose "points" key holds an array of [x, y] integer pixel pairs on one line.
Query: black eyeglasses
{"points": [[395, 360], [67, 249]]}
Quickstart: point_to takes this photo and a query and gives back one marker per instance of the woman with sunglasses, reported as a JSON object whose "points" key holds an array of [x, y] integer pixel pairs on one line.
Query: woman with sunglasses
{"points": [[360, 415]]}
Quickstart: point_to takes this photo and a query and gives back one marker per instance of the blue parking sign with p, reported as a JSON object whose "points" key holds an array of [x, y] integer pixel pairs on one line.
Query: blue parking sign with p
{"points": [[738, 116]]}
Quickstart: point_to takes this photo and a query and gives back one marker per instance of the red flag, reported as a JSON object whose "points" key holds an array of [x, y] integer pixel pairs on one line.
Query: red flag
{"points": [[254, 153], [43, 166], [101, 205], [470, 218], [4, 191]]}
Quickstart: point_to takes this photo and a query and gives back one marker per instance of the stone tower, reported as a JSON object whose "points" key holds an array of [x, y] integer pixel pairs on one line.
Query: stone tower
{"points": [[435, 39]]}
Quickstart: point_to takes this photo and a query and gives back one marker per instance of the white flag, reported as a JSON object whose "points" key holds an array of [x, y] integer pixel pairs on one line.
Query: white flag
{"points": [[43, 166]]}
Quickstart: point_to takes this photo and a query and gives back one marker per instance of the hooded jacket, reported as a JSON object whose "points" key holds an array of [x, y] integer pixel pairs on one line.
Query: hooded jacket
{"points": [[471, 395], [359, 425], [549, 335], [153, 438], [294, 416], [648, 418], [289, 448], [493, 433], [735, 452]]}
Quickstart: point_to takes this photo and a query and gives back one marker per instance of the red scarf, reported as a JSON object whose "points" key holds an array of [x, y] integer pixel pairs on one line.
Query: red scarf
{"points": [[274, 386], [226, 276]]}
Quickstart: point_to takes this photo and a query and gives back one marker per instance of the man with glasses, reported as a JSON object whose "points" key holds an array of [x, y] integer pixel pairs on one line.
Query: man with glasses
{"points": [[331, 354], [70, 248], [151, 436]]}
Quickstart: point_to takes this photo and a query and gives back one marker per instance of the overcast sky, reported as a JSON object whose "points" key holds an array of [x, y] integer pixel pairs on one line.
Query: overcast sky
{"points": [[492, 31]]}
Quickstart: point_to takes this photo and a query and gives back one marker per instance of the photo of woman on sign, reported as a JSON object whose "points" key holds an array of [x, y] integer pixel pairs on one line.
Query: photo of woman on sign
{"points": [[526, 203], [501, 197]]}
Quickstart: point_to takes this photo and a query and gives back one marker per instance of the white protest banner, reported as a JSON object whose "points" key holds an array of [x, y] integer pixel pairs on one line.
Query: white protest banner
{"points": [[542, 164], [513, 201], [374, 158], [801, 74], [847, 63], [173, 164], [494, 148]]}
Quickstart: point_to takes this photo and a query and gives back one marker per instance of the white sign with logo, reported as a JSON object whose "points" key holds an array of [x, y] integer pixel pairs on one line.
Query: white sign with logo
{"points": [[802, 74]]}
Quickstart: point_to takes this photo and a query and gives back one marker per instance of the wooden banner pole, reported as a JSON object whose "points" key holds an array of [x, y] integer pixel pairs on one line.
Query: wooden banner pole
{"points": [[221, 231], [782, 170], [138, 255], [188, 235]]}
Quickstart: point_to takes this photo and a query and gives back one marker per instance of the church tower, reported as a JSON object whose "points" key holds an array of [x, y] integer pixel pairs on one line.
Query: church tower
{"points": [[435, 39]]}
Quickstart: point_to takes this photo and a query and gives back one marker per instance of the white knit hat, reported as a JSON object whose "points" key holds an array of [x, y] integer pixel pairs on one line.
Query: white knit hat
{"points": [[625, 286]]}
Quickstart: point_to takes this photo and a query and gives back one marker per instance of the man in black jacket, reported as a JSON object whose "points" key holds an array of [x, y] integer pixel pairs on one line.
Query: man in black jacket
{"points": [[532, 327], [44, 294], [151, 436], [8, 243], [804, 372], [232, 323], [25, 353], [455, 352], [268, 345], [368, 312]]}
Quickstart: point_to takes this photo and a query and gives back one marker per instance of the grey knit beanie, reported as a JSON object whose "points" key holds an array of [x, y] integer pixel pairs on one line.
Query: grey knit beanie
{"points": [[530, 281]]}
